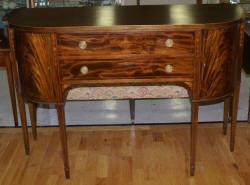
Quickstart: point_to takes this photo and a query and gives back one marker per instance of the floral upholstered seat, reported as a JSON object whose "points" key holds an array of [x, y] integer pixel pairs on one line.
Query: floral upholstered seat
{"points": [[127, 92]]}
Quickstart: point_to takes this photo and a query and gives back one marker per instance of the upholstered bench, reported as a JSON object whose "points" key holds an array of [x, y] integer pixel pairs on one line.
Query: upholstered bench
{"points": [[127, 92]]}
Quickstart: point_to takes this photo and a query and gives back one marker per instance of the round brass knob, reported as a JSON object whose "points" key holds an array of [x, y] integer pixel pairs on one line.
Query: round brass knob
{"points": [[169, 43], [169, 68], [82, 44], [84, 70]]}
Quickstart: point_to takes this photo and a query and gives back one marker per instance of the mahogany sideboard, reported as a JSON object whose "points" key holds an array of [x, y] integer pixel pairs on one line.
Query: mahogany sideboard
{"points": [[196, 46]]}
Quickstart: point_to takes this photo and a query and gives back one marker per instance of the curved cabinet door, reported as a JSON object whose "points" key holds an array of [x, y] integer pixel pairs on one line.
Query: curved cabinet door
{"points": [[33, 53], [218, 61]]}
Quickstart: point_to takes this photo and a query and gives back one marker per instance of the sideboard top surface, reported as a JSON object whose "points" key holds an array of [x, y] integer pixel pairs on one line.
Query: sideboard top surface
{"points": [[125, 15]]}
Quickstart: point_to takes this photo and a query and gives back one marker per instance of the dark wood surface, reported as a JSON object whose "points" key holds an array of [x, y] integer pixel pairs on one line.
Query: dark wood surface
{"points": [[218, 62], [116, 45], [126, 69], [205, 55], [125, 15], [34, 61]]}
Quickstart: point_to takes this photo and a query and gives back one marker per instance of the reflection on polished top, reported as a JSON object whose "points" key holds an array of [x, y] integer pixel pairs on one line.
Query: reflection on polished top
{"points": [[127, 15]]}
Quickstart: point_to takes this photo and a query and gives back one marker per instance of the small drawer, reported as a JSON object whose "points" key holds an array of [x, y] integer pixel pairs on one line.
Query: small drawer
{"points": [[172, 44], [125, 69]]}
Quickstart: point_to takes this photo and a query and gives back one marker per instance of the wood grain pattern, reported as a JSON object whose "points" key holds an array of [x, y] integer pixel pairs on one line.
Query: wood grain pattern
{"points": [[126, 69], [136, 44], [33, 57], [218, 61], [126, 155]]}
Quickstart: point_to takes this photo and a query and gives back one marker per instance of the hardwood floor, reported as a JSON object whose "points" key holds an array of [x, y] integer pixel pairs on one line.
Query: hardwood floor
{"points": [[126, 155]]}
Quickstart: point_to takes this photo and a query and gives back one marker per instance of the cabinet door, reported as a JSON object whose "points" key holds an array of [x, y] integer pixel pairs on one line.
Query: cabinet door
{"points": [[33, 53], [219, 61]]}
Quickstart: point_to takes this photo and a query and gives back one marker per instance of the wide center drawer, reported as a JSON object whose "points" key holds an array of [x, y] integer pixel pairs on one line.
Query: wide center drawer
{"points": [[125, 69], [172, 44]]}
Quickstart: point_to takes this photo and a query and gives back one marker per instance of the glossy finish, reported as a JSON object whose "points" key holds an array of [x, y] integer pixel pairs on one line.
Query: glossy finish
{"points": [[35, 62], [119, 44], [124, 69], [218, 62], [125, 15], [125, 51]]}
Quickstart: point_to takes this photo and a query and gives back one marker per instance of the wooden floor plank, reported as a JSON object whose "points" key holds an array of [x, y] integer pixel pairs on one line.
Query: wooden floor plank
{"points": [[126, 155]]}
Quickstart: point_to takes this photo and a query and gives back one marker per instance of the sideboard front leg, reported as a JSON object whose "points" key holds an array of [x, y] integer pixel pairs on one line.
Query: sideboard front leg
{"points": [[195, 109], [32, 110], [12, 89], [61, 120], [235, 103], [24, 122], [18, 91]]}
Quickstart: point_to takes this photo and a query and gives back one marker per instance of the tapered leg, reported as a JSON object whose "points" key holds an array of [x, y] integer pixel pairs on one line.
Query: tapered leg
{"points": [[12, 89], [249, 109], [61, 120], [195, 107], [32, 110], [132, 110], [235, 103], [24, 123], [18, 92], [226, 113]]}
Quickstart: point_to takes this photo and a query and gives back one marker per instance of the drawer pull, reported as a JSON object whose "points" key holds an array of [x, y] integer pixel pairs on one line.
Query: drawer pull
{"points": [[169, 43], [169, 68], [84, 70], [82, 44]]}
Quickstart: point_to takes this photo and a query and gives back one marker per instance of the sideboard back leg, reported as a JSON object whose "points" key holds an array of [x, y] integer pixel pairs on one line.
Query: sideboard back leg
{"points": [[195, 109], [249, 109], [132, 110], [32, 110], [61, 120], [227, 102], [12, 89]]}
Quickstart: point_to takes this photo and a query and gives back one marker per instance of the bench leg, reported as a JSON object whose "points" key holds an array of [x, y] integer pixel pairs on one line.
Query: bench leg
{"points": [[227, 103], [61, 120], [195, 109], [32, 110], [132, 110], [12, 90]]}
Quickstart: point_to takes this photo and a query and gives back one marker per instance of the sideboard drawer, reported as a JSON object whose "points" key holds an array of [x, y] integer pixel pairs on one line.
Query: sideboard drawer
{"points": [[170, 44], [125, 69]]}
